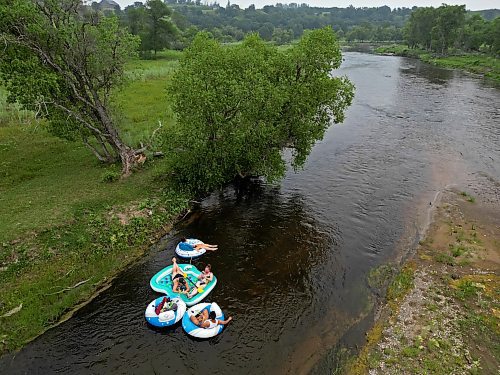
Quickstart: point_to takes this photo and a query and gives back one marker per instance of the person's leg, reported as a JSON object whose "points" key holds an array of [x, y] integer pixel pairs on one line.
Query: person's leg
{"points": [[200, 284], [175, 267], [206, 246], [193, 292]]}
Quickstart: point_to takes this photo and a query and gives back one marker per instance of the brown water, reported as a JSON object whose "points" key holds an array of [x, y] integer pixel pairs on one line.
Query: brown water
{"points": [[294, 257]]}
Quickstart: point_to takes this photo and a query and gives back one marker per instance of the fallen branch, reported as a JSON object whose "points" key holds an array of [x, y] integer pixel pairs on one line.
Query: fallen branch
{"points": [[13, 311], [69, 288], [187, 212]]}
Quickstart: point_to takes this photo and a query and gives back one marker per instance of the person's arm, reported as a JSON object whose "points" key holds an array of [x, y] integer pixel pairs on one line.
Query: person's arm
{"points": [[224, 322]]}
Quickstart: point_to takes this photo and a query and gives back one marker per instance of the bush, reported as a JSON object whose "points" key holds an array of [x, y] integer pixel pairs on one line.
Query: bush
{"points": [[110, 175]]}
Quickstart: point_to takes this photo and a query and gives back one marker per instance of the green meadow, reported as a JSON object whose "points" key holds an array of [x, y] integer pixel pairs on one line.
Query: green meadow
{"points": [[66, 222]]}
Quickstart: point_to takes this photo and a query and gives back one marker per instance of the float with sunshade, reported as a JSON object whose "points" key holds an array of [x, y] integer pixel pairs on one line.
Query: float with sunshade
{"points": [[165, 311], [162, 283]]}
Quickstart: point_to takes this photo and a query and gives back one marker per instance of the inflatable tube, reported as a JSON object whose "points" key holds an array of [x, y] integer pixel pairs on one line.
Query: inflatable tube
{"points": [[162, 282], [202, 333], [190, 253], [169, 315]]}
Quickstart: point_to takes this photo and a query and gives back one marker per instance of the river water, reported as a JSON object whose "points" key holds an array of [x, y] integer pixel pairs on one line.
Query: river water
{"points": [[293, 258]]}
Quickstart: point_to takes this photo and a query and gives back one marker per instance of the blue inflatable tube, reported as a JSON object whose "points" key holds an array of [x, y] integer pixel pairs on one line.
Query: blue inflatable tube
{"points": [[171, 313], [202, 333], [190, 253]]}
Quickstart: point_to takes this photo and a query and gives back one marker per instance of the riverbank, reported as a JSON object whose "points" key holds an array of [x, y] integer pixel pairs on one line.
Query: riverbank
{"points": [[67, 223], [484, 65], [442, 312]]}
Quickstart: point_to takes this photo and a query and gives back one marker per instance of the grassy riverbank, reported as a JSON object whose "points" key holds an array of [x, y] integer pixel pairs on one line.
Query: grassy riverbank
{"points": [[65, 229], [478, 64], [442, 313]]}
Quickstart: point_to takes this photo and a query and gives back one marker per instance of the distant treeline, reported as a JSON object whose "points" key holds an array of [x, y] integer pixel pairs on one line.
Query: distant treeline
{"points": [[278, 23], [282, 23], [174, 23], [449, 28]]}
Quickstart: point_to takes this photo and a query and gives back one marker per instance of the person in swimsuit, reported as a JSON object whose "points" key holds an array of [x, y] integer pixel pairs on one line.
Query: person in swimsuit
{"points": [[205, 320], [180, 283], [203, 279], [184, 245]]}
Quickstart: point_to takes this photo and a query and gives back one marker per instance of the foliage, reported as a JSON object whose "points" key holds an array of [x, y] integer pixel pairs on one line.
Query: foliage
{"points": [[448, 28], [238, 107], [12, 113], [110, 175], [155, 23], [369, 32], [447, 25], [279, 23], [62, 61]]}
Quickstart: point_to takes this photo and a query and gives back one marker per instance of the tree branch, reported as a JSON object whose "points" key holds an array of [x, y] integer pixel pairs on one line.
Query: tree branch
{"points": [[68, 288]]}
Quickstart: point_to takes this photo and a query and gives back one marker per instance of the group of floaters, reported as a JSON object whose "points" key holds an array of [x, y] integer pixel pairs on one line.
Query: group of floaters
{"points": [[186, 286]]}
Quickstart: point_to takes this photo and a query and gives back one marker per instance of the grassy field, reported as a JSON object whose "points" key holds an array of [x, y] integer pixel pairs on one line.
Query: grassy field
{"points": [[64, 230], [474, 63]]}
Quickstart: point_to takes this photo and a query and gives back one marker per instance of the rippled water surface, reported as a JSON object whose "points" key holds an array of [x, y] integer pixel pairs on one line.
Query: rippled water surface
{"points": [[293, 258]]}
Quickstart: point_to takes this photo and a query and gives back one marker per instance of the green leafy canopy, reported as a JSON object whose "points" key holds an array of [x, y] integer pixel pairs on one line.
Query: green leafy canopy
{"points": [[62, 60], [238, 107]]}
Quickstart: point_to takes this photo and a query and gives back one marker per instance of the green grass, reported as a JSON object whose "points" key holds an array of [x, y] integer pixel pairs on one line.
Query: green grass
{"points": [[402, 283], [58, 205], [467, 196], [444, 258], [43, 179]]}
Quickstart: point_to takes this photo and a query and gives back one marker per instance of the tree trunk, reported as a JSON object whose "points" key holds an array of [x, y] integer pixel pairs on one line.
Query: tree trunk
{"points": [[127, 154], [128, 158]]}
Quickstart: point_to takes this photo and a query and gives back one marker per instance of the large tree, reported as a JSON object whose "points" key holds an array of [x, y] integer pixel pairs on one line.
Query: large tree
{"points": [[448, 24], [159, 28], [63, 60], [239, 107]]}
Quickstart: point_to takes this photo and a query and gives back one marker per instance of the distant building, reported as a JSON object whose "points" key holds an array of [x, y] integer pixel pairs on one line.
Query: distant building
{"points": [[106, 6]]}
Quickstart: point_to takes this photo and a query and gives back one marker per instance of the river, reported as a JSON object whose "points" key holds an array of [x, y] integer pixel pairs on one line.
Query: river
{"points": [[294, 257]]}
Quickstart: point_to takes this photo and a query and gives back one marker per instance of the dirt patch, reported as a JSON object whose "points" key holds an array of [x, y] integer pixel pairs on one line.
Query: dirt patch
{"points": [[129, 212], [448, 321]]}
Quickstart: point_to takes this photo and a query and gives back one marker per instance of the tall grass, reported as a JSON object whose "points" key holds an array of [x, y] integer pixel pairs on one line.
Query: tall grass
{"points": [[12, 114]]}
